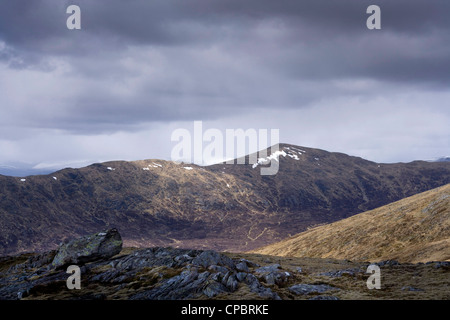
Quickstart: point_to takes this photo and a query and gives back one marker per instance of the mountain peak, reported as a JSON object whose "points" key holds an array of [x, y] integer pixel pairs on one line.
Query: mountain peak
{"points": [[222, 206]]}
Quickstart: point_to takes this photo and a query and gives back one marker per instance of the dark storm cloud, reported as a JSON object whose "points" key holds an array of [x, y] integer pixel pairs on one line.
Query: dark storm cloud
{"points": [[331, 32], [151, 21], [139, 61]]}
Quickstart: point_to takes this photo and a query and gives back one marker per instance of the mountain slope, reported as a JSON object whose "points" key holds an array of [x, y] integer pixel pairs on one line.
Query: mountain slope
{"points": [[415, 229], [222, 207]]}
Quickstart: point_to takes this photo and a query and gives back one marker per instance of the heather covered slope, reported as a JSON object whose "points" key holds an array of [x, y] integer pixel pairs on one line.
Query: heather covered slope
{"points": [[415, 229]]}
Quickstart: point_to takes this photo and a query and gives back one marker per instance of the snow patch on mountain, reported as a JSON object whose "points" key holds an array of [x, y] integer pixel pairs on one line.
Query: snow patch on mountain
{"points": [[155, 165], [287, 151], [273, 156]]}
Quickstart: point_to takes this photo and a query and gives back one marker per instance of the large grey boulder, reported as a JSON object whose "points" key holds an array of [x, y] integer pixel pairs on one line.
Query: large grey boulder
{"points": [[98, 246]]}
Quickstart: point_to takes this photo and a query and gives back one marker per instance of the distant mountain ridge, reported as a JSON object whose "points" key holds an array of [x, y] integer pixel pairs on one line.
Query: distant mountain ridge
{"points": [[222, 207], [22, 171], [443, 159]]}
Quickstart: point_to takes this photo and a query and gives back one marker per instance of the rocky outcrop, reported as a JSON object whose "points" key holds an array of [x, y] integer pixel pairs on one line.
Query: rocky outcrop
{"points": [[198, 273], [102, 245], [162, 273], [209, 258], [272, 274], [165, 273]]}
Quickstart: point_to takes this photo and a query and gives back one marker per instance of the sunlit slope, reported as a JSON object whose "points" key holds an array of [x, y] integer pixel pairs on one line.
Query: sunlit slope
{"points": [[414, 229]]}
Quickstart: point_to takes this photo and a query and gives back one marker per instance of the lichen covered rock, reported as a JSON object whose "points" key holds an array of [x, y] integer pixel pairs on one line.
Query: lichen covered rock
{"points": [[99, 246]]}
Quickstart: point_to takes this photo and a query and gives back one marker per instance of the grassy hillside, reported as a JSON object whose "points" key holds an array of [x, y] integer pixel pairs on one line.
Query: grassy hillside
{"points": [[414, 229]]}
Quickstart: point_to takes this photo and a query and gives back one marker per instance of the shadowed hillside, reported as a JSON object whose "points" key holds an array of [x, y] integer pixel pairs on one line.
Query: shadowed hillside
{"points": [[223, 207]]}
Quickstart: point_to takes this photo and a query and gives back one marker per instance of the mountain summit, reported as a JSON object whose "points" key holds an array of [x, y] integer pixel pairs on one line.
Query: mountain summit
{"points": [[221, 207]]}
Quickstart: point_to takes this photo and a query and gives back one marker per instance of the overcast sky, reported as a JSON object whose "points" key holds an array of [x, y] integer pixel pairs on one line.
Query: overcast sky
{"points": [[137, 70]]}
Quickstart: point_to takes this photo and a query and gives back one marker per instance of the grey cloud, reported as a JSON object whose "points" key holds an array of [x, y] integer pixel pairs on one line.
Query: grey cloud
{"points": [[139, 62], [166, 22], [315, 38]]}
